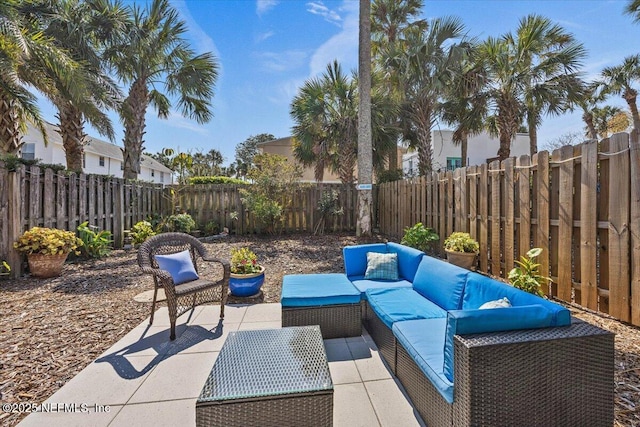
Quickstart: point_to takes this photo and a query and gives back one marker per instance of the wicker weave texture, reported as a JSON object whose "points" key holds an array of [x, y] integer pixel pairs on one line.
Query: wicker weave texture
{"points": [[182, 298], [429, 403], [309, 410], [543, 377], [382, 336], [336, 321]]}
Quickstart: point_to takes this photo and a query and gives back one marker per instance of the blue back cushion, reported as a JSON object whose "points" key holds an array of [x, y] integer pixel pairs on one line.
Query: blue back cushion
{"points": [[355, 257], [179, 266], [408, 259], [481, 289], [461, 322], [440, 282]]}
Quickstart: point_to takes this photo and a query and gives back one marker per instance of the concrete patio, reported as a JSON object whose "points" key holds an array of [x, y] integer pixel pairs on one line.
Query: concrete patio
{"points": [[145, 379]]}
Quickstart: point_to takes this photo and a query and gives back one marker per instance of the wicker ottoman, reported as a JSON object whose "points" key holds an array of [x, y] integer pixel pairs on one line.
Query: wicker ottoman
{"points": [[328, 300]]}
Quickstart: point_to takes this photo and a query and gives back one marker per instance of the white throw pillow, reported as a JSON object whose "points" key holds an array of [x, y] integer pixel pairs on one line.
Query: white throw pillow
{"points": [[504, 302]]}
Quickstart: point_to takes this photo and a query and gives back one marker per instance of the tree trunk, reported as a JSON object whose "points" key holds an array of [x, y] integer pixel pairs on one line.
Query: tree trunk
{"points": [[10, 136], [133, 117], [630, 96], [588, 119], [533, 137], [464, 146], [393, 159], [425, 151], [348, 157], [365, 148], [505, 145], [72, 133]]}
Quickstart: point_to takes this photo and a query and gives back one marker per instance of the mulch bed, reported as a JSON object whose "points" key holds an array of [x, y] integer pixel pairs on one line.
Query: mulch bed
{"points": [[50, 329]]}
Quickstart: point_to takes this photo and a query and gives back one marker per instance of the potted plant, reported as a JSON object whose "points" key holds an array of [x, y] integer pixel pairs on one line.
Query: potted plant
{"points": [[526, 275], [247, 276], [461, 249], [47, 249]]}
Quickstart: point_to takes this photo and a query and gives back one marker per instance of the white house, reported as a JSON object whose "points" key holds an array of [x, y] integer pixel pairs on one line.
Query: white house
{"points": [[481, 149], [100, 157]]}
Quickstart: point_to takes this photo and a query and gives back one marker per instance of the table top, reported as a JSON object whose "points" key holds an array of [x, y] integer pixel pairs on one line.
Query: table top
{"points": [[269, 362]]}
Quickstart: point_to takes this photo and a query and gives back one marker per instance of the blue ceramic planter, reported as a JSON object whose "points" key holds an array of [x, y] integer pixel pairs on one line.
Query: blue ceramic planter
{"points": [[246, 285]]}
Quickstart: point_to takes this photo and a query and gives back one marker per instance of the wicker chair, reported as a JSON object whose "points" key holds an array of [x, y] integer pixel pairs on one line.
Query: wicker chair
{"points": [[183, 297]]}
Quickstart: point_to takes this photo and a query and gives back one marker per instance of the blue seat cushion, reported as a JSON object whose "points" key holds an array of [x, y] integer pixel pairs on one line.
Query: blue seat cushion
{"points": [[461, 322], [179, 266], [399, 304], [408, 259], [481, 289], [363, 284], [355, 257], [308, 290], [440, 282], [423, 339]]}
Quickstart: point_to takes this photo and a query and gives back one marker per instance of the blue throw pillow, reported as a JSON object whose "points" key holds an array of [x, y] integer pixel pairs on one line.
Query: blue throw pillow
{"points": [[179, 265], [381, 266]]}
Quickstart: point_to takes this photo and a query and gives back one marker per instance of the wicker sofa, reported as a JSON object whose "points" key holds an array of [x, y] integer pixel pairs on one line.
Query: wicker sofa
{"points": [[529, 364]]}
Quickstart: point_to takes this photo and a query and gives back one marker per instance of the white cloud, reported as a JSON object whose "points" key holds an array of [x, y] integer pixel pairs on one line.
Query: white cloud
{"points": [[263, 36], [177, 120], [342, 46], [318, 8], [281, 61], [264, 6]]}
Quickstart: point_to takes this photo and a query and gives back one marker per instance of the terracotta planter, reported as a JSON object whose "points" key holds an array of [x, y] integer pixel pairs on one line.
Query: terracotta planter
{"points": [[45, 266], [246, 285], [462, 259]]}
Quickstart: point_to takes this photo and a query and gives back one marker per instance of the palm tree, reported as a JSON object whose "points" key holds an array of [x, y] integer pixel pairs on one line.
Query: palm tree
{"points": [[601, 118], [531, 72], [23, 44], [587, 99], [633, 8], [425, 66], [618, 80], [82, 28], [465, 106], [390, 22], [325, 115], [155, 54]]}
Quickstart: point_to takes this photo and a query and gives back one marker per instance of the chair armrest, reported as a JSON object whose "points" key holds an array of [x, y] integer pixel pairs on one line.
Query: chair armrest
{"points": [[225, 265], [161, 275]]}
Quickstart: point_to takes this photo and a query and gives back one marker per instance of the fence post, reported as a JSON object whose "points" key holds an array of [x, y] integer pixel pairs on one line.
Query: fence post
{"points": [[118, 213], [634, 146], [14, 184]]}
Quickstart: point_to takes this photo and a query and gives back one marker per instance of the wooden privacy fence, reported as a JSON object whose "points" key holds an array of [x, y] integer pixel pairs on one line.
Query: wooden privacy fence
{"points": [[222, 204], [31, 197], [581, 205]]}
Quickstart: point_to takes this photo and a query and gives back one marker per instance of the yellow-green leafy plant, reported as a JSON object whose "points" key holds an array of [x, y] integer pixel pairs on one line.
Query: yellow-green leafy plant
{"points": [[5, 269], [461, 242], [48, 241], [96, 243], [526, 276], [244, 261], [420, 237], [141, 231]]}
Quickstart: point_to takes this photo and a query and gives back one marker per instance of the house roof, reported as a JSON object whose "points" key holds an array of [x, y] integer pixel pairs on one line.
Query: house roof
{"points": [[100, 147]]}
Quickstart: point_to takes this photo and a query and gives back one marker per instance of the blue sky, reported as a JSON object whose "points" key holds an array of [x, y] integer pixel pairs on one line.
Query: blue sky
{"points": [[266, 49]]}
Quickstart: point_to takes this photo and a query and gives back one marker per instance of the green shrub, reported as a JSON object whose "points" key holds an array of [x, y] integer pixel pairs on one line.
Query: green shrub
{"points": [[183, 223], [211, 228], [215, 180], [96, 244], [390, 176], [420, 237], [461, 242], [329, 207], [141, 231], [5, 269], [526, 276]]}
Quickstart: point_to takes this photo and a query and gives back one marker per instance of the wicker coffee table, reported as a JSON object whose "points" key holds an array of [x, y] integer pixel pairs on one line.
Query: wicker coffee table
{"points": [[272, 377]]}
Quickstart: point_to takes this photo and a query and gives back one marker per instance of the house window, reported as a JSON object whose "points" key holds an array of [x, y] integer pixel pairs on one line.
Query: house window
{"points": [[84, 160], [101, 161], [121, 166], [454, 163], [161, 176], [29, 151], [153, 173]]}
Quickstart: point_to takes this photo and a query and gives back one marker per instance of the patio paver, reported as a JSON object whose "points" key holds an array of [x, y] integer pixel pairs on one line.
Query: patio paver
{"points": [[148, 380]]}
